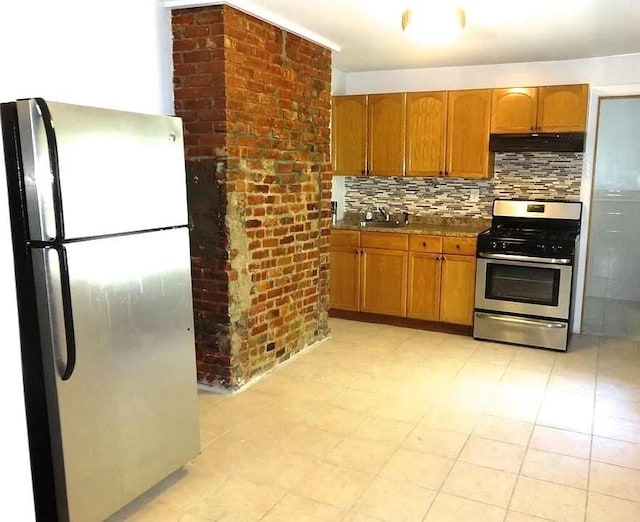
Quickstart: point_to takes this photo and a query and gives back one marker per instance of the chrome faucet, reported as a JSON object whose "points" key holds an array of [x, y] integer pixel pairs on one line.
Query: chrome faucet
{"points": [[385, 214]]}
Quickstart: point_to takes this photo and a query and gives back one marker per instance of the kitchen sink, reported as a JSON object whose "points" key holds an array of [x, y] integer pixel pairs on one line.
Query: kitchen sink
{"points": [[381, 224]]}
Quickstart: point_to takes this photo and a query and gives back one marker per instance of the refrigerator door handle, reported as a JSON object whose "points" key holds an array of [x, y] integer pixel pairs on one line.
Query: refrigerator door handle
{"points": [[67, 312], [54, 166]]}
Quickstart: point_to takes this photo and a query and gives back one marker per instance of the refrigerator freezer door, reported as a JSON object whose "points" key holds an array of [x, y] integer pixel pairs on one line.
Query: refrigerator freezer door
{"points": [[128, 414], [118, 171]]}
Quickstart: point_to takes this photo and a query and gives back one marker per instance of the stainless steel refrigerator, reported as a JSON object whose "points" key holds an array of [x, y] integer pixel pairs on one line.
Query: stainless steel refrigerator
{"points": [[101, 246]]}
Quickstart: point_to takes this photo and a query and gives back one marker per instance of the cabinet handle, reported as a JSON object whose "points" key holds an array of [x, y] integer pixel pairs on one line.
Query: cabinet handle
{"points": [[458, 247], [363, 172], [533, 129], [424, 244]]}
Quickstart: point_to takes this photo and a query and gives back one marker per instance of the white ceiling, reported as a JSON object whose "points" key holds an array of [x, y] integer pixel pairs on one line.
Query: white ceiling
{"points": [[366, 34]]}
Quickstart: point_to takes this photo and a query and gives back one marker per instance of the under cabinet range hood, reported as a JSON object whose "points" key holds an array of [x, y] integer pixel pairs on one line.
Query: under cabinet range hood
{"points": [[540, 142]]}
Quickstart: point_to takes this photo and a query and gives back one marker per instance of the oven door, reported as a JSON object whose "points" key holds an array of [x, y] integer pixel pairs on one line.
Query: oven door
{"points": [[541, 289]]}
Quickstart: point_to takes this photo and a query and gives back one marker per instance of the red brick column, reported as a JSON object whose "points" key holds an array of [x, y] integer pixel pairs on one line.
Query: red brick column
{"points": [[255, 101]]}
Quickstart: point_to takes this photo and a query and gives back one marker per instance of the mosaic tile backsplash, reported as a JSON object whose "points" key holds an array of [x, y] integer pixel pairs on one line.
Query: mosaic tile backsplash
{"points": [[530, 175]]}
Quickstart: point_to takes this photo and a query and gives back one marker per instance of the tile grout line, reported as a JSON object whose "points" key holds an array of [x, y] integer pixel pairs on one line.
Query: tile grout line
{"points": [[593, 421], [533, 427]]}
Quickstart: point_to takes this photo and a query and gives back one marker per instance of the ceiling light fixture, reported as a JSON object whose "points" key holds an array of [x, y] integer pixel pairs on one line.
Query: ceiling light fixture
{"points": [[435, 21]]}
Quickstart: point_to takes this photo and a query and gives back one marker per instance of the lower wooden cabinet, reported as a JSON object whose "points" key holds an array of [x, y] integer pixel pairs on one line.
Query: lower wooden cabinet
{"points": [[345, 259], [416, 276], [457, 289], [383, 273], [423, 293], [441, 286], [384, 282]]}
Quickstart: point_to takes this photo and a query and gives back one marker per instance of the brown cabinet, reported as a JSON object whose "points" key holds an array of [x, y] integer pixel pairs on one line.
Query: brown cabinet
{"points": [[514, 110], [426, 119], [442, 279], [557, 108], [367, 135], [349, 134], [386, 135], [425, 266], [384, 273], [417, 276], [468, 119], [562, 108], [458, 280], [345, 270]]}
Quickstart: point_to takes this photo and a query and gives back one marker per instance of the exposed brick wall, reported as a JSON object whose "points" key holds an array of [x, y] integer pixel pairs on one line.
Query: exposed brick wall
{"points": [[255, 101]]}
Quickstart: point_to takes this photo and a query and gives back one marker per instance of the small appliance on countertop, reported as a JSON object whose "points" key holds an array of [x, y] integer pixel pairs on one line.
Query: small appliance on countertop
{"points": [[524, 274]]}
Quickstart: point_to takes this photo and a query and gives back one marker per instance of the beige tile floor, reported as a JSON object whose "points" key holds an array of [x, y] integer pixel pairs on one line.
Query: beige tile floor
{"points": [[392, 424], [611, 317]]}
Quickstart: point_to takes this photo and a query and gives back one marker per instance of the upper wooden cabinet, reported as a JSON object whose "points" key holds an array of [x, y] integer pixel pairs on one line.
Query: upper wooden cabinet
{"points": [[469, 115], [367, 135], [386, 135], [426, 117], [562, 108], [444, 133], [349, 134], [514, 110], [558, 108]]}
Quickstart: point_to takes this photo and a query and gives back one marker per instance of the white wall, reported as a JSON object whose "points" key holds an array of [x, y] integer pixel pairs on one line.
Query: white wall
{"points": [[613, 70], [111, 54]]}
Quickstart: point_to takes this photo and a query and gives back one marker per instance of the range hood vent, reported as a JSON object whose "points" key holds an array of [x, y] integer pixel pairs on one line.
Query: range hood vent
{"points": [[550, 142]]}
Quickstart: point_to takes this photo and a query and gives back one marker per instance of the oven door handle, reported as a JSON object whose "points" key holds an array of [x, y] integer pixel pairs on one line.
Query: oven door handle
{"points": [[521, 320], [530, 259]]}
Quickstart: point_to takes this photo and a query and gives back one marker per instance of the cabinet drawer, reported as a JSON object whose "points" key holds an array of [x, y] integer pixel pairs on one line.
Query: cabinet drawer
{"points": [[344, 238], [385, 240], [431, 244], [460, 245]]}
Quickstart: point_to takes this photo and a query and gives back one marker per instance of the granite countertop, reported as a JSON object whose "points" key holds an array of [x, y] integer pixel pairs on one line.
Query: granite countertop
{"points": [[461, 227]]}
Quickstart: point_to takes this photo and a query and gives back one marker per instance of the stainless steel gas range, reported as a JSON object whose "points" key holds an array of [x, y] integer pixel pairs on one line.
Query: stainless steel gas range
{"points": [[524, 274]]}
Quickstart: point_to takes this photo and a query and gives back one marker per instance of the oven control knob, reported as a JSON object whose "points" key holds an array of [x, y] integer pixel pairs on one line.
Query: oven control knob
{"points": [[494, 244]]}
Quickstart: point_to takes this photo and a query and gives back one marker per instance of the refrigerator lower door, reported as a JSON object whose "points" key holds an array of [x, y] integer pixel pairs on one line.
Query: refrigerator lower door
{"points": [[127, 416]]}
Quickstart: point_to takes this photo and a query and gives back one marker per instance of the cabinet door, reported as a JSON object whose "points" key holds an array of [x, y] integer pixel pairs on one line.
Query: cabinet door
{"points": [[426, 117], [386, 134], [423, 298], [348, 134], [457, 289], [562, 108], [384, 282], [468, 119], [345, 279], [514, 110]]}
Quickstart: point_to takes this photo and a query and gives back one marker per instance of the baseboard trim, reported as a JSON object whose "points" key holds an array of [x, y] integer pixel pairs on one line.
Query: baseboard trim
{"points": [[406, 322]]}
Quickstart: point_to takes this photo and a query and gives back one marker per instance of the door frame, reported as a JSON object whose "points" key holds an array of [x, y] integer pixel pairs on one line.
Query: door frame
{"points": [[586, 188]]}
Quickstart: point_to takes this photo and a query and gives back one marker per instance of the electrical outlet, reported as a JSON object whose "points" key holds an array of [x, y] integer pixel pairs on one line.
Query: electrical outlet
{"points": [[474, 195]]}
